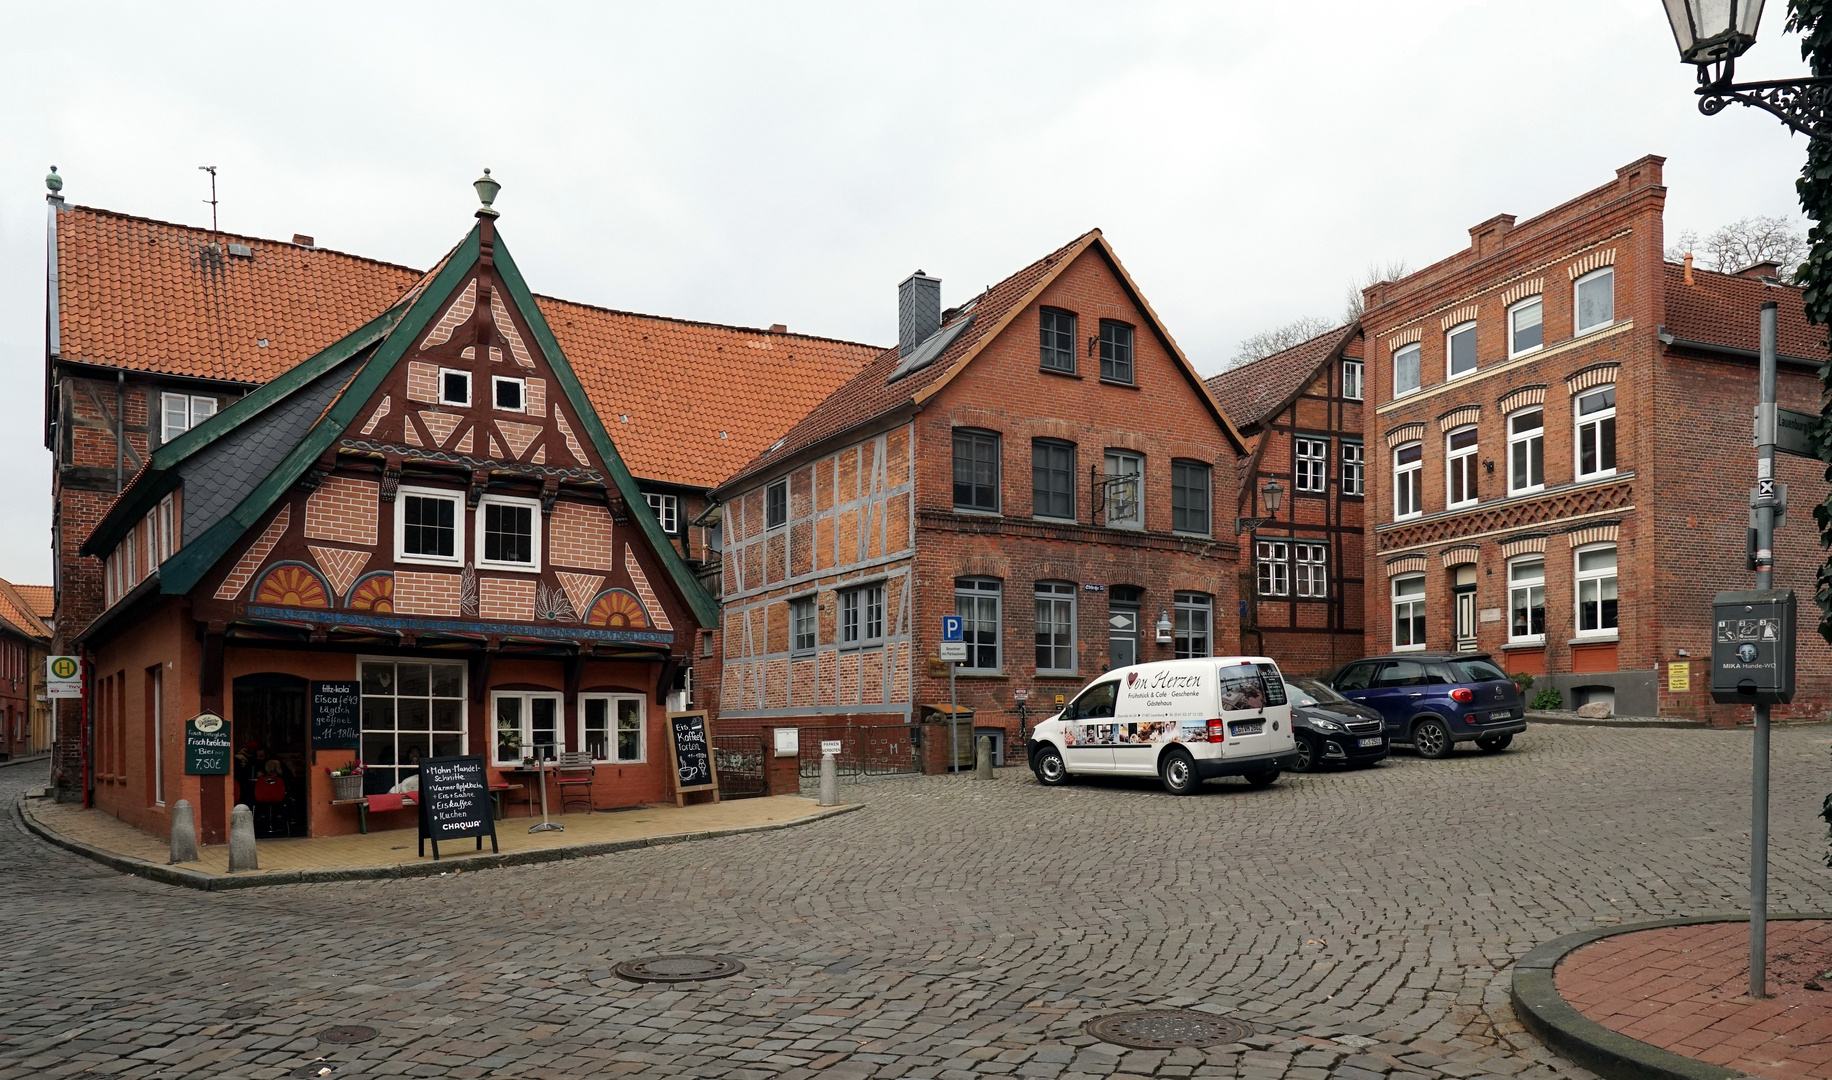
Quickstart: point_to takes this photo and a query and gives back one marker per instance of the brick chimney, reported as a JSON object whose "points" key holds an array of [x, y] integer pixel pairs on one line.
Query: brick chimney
{"points": [[1489, 237], [918, 311], [1761, 271]]}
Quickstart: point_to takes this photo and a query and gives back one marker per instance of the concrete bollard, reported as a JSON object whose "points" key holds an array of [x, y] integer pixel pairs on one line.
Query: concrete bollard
{"points": [[184, 832], [982, 758], [241, 840], [830, 781]]}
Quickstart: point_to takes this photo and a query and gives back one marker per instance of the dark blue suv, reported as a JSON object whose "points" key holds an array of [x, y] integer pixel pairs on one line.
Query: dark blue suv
{"points": [[1436, 700]]}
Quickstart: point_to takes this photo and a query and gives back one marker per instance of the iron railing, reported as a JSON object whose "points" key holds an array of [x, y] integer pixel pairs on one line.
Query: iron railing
{"points": [[865, 749]]}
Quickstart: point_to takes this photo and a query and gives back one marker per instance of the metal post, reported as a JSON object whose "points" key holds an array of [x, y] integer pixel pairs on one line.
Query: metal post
{"points": [[954, 723], [1765, 579]]}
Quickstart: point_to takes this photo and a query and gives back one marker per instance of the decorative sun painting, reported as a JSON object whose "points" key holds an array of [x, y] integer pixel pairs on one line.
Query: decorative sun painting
{"points": [[293, 585], [374, 593], [617, 607]]}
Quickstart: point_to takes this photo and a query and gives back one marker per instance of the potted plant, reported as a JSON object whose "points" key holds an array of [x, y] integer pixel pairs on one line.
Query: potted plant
{"points": [[347, 781]]}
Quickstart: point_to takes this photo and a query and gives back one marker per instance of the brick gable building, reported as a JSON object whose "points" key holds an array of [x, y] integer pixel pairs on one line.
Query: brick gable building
{"points": [[1559, 453], [1300, 412], [153, 327], [1041, 460]]}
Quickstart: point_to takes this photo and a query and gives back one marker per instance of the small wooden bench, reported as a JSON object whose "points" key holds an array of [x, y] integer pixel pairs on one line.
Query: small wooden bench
{"points": [[362, 808]]}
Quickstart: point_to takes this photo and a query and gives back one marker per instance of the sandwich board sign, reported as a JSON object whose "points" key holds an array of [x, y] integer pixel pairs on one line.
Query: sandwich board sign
{"points": [[64, 676]]}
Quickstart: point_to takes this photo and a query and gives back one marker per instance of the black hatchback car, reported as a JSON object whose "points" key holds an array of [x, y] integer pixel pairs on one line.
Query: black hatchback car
{"points": [[1436, 700], [1332, 730]]}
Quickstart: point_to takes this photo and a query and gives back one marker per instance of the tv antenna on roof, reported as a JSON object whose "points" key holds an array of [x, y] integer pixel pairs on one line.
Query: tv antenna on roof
{"points": [[211, 169]]}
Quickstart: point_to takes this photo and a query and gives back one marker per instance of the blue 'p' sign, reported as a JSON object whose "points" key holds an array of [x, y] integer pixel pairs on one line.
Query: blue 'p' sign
{"points": [[951, 628]]}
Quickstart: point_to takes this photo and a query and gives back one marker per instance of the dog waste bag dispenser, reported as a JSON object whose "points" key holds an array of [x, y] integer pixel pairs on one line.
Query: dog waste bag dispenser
{"points": [[1752, 647]]}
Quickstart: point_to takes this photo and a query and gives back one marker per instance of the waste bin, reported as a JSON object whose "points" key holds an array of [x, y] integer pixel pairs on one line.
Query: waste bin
{"points": [[957, 721]]}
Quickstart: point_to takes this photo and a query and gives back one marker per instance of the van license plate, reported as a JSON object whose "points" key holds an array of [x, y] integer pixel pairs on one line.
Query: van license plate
{"points": [[1368, 742], [1505, 714], [1246, 727]]}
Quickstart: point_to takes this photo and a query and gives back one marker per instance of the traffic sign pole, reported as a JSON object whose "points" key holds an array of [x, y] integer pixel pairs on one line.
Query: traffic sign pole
{"points": [[1765, 579]]}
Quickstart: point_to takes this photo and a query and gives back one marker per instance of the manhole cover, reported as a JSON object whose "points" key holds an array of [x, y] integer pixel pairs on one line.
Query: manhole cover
{"points": [[347, 1034], [1165, 1029], [241, 1012], [678, 968]]}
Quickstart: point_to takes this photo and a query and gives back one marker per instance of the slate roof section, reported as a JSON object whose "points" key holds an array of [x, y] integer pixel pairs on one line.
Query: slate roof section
{"points": [[151, 296], [1725, 309], [1251, 393], [225, 472], [873, 392]]}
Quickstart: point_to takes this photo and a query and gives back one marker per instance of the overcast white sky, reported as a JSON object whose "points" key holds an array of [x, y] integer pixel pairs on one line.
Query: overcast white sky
{"points": [[791, 162]]}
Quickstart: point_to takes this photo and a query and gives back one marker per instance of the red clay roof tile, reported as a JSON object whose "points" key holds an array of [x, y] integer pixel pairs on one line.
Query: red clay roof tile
{"points": [[702, 399], [1725, 309], [1250, 392]]}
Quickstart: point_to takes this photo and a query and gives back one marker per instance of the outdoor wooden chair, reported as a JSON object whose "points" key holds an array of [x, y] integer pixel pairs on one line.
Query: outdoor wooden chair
{"points": [[573, 776]]}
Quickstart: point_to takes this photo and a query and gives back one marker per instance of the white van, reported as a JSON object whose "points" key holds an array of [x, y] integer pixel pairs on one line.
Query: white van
{"points": [[1183, 721]]}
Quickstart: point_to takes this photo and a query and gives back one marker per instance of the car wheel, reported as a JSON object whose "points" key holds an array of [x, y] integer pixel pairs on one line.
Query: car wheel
{"points": [[1262, 779], [1177, 771], [1431, 739], [1495, 743], [1306, 758], [1050, 769]]}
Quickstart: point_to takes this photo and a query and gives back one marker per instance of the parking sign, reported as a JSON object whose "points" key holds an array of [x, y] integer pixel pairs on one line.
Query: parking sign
{"points": [[951, 628]]}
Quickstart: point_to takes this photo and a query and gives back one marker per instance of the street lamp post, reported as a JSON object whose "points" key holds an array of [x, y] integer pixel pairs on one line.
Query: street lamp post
{"points": [[1711, 34], [1271, 495]]}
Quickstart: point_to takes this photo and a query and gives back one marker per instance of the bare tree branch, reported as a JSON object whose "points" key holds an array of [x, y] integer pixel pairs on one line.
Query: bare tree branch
{"points": [[1744, 243], [1267, 342]]}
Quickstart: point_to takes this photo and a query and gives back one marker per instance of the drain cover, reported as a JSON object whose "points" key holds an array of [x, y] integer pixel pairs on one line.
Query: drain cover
{"points": [[242, 1011], [1165, 1029], [347, 1034], [682, 968]]}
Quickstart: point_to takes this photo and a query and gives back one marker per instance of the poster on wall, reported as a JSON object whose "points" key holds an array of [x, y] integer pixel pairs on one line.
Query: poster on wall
{"points": [[336, 715], [207, 748]]}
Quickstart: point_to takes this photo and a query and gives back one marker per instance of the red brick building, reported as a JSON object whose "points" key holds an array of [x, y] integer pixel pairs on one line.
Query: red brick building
{"points": [[25, 635], [1559, 453], [1301, 582], [1041, 460], [429, 509], [153, 327]]}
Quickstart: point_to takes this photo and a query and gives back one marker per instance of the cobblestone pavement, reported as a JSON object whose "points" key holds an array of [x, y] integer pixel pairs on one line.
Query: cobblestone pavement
{"points": [[1363, 921]]}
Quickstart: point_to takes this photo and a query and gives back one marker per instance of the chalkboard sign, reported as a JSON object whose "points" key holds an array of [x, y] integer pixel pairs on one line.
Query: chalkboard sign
{"points": [[690, 751], [454, 801], [207, 746], [336, 715]]}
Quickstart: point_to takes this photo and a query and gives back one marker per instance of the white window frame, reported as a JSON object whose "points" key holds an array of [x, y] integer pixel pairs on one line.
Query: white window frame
{"points": [[977, 589], [1577, 309], [1581, 578], [1417, 359], [1410, 601], [1449, 337], [1537, 300], [1351, 380], [158, 740], [443, 372], [1539, 435], [1309, 471], [1273, 558], [1527, 585], [1354, 468], [1120, 458], [1463, 459], [1310, 570], [610, 756], [1580, 423], [1058, 593], [528, 698], [190, 404], [536, 526], [456, 498], [463, 671], [1408, 478], [167, 511], [667, 510], [521, 387]]}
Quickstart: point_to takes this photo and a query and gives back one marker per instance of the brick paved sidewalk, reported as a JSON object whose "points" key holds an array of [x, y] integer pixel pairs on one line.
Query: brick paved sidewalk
{"points": [[397, 846], [1684, 989]]}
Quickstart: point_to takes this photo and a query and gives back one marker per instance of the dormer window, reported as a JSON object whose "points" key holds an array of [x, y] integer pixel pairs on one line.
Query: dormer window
{"points": [[454, 387], [511, 394]]}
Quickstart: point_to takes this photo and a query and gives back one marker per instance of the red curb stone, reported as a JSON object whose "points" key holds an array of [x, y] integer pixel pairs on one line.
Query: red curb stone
{"points": [[1683, 989]]}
